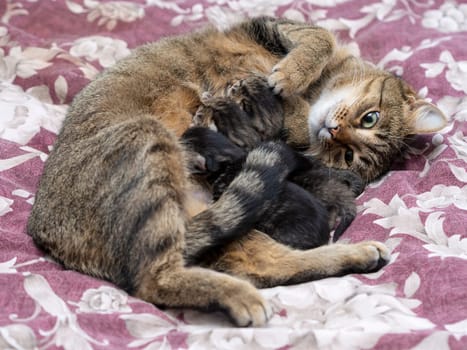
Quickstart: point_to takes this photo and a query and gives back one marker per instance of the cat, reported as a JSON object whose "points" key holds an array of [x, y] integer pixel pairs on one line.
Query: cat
{"points": [[116, 200]]}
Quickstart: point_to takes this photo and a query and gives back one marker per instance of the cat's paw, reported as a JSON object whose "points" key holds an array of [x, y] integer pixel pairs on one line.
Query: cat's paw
{"points": [[290, 77], [369, 256], [246, 307]]}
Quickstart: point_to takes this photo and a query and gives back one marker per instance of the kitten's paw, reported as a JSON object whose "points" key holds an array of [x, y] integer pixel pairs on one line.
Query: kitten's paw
{"points": [[206, 96], [248, 88], [202, 116], [235, 89], [246, 307], [350, 179], [371, 256]]}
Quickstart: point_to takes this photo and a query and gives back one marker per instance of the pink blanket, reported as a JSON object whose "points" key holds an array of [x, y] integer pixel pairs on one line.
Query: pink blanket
{"points": [[50, 49]]}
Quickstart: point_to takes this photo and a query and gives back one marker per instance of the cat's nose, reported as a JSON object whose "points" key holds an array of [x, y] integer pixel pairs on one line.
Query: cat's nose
{"points": [[334, 131]]}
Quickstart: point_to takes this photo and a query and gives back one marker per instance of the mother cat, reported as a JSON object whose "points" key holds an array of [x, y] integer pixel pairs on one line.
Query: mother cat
{"points": [[115, 200]]}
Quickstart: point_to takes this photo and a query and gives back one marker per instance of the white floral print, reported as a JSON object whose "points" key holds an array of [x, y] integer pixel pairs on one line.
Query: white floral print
{"points": [[17, 336], [23, 114], [450, 17], [103, 49], [5, 205], [104, 300], [108, 14], [456, 71]]}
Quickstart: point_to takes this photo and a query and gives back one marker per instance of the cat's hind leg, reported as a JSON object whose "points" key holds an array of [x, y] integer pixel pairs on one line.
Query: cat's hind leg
{"points": [[161, 277], [206, 290]]}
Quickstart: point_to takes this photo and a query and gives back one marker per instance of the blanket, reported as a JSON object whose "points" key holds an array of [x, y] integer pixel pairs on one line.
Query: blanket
{"points": [[50, 49]]}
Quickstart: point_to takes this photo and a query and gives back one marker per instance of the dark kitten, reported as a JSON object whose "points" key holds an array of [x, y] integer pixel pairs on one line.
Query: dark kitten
{"points": [[306, 207]]}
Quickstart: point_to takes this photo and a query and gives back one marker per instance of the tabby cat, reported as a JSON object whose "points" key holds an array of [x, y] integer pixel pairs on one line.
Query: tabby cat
{"points": [[116, 200]]}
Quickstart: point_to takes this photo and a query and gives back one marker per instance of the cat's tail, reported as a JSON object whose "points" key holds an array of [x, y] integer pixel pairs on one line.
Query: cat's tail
{"points": [[244, 201]]}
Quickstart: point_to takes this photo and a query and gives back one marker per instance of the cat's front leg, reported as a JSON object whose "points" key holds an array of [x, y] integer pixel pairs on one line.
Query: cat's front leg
{"points": [[311, 48]]}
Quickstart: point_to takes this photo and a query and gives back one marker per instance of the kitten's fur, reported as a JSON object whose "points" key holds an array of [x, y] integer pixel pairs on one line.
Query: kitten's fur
{"points": [[306, 208], [115, 200]]}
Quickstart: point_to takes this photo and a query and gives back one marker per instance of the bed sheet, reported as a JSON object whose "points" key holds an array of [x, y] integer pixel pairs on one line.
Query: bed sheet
{"points": [[50, 49]]}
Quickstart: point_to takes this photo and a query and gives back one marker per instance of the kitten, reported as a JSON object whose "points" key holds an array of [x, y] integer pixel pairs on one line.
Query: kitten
{"points": [[298, 218], [250, 101], [115, 200]]}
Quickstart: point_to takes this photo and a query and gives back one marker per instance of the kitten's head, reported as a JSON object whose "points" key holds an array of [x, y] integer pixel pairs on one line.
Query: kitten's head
{"points": [[363, 118]]}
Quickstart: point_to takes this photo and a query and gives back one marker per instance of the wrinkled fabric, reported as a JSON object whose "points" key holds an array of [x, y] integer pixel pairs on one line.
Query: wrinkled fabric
{"points": [[50, 49]]}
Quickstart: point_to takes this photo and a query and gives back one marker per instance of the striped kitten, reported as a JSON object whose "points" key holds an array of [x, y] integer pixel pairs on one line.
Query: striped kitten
{"points": [[116, 200]]}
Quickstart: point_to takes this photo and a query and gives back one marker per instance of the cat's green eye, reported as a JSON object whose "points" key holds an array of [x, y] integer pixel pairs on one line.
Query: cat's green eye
{"points": [[348, 156], [369, 120]]}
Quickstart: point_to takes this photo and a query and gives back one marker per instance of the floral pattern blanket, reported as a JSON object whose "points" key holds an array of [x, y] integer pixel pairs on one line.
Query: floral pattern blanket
{"points": [[49, 49]]}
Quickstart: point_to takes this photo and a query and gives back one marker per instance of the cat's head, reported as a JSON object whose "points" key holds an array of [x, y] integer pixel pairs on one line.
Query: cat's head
{"points": [[362, 119]]}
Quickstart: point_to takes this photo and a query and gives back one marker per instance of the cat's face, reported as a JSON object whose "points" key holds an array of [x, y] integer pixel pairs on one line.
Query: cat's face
{"points": [[361, 122]]}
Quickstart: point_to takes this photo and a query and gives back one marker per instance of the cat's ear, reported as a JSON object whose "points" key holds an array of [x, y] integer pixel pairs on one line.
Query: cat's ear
{"points": [[425, 117]]}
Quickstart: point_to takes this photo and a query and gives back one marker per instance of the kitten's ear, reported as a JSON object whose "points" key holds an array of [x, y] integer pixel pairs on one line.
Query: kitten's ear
{"points": [[425, 117]]}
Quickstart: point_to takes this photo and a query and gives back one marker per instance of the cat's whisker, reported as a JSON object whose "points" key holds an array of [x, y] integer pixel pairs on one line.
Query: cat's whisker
{"points": [[353, 102]]}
